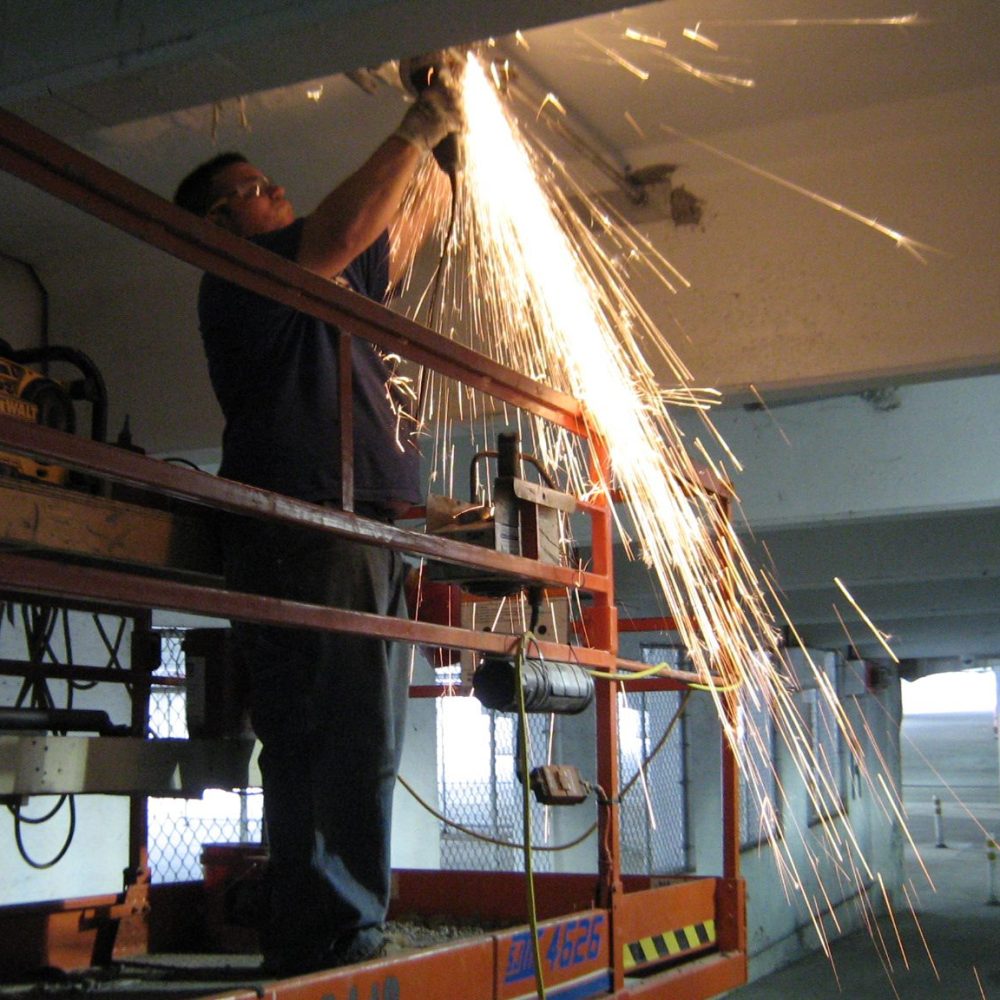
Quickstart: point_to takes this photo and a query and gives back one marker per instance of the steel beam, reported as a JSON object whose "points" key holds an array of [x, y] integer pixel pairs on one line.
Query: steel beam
{"points": [[116, 765]]}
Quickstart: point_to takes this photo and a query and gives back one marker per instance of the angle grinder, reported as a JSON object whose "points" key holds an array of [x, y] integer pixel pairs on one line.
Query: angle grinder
{"points": [[416, 74]]}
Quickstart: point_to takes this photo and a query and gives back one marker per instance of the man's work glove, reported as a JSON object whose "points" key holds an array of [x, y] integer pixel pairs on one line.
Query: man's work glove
{"points": [[434, 115]]}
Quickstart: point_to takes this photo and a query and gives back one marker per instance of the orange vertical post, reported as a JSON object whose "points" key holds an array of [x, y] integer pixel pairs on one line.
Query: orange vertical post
{"points": [[730, 907], [602, 621], [730, 796], [731, 900]]}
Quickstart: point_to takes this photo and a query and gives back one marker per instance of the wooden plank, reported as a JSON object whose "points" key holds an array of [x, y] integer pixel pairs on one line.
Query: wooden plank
{"points": [[73, 523]]}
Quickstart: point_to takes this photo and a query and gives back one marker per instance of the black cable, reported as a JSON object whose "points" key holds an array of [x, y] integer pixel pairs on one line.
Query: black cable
{"points": [[39, 623], [70, 833], [535, 604], [111, 647], [35, 621], [72, 684], [183, 461], [36, 820]]}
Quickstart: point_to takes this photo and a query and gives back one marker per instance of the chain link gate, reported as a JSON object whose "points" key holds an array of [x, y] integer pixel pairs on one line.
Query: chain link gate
{"points": [[759, 800], [485, 796], [654, 819]]}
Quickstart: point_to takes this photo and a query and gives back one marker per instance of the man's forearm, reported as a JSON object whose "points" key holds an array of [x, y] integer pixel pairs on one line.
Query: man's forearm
{"points": [[351, 217]]}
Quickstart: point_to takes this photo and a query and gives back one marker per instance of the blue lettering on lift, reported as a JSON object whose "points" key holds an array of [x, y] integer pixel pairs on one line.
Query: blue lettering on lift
{"points": [[563, 946], [520, 958]]}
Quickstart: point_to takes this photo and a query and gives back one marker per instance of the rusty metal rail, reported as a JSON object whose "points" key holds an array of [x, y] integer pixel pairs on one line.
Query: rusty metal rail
{"points": [[48, 164], [172, 480]]}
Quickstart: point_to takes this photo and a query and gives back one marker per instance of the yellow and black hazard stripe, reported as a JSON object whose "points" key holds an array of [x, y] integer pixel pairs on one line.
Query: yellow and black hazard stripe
{"points": [[670, 944]]}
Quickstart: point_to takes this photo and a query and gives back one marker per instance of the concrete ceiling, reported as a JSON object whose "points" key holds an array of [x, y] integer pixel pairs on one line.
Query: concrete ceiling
{"points": [[895, 122]]}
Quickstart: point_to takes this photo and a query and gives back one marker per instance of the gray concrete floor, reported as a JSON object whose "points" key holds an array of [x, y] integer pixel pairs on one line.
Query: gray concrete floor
{"points": [[954, 757]]}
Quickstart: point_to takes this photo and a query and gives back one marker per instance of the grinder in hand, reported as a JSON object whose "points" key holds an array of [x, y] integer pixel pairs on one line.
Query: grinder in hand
{"points": [[416, 74]]}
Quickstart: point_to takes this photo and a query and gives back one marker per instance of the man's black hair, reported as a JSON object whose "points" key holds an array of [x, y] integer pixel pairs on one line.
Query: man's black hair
{"points": [[195, 192]]}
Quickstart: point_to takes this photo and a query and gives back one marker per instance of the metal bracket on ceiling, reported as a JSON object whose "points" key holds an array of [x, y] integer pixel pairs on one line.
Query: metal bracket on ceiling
{"points": [[575, 129]]}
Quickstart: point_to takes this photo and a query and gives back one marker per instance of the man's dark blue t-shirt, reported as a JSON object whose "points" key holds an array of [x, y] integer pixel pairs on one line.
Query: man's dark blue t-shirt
{"points": [[275, 374]]}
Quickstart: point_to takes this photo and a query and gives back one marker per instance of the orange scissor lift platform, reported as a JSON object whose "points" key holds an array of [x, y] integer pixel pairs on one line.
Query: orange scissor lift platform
{"points": [[600, 935]]}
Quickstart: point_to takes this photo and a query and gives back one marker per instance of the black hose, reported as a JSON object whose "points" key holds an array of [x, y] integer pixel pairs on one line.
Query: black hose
{"points": [[22, 850]]}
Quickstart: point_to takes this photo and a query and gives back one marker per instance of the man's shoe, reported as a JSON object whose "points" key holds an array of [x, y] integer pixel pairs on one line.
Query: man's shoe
{"points": [[349, 949], [358, 946]]}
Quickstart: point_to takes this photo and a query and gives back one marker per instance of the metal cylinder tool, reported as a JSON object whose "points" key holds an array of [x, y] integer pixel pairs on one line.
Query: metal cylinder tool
{"points": [[562, 688]]}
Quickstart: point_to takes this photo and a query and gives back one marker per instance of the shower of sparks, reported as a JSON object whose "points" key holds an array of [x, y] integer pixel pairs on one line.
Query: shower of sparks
{"points": [[695, 35], [923, 937], [614, 56], [630, 118], [550, 100], [881, 636], [723, 80], [953, 792], [638, 36], [763, 405], [979, 982], [899, 20], [659, 46], [907, 243], [531, 283]]}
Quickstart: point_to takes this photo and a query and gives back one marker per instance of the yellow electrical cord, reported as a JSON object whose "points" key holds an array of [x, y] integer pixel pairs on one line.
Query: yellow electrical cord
{"points": [[526, 845], [721, 688], [475, 834], [604, 675], [624, 678], [637, 675]]}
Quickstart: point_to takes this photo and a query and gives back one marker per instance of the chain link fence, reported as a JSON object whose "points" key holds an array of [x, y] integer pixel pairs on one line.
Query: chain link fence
{"points": [[654, 820], [759, 802], [478, 788], [179, 828], [827, 784], [477, 784]]}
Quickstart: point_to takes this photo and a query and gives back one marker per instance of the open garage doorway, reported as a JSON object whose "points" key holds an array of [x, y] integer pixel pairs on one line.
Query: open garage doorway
{"points": [[950, 773]]}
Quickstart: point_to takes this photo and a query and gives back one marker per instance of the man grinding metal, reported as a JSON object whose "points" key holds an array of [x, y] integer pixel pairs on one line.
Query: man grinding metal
{"points": [[327, 708]]}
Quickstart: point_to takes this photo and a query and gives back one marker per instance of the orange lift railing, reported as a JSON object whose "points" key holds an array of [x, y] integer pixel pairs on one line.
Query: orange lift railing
{"points": [[614, 936]]}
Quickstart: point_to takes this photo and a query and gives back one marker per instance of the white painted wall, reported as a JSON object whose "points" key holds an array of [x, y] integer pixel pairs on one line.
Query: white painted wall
{"points": [[841, 458], [779, 928], [416, 841]]}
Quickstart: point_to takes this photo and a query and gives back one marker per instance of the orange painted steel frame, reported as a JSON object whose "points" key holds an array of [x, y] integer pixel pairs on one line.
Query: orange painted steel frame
{"points": [[585, 927]]}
